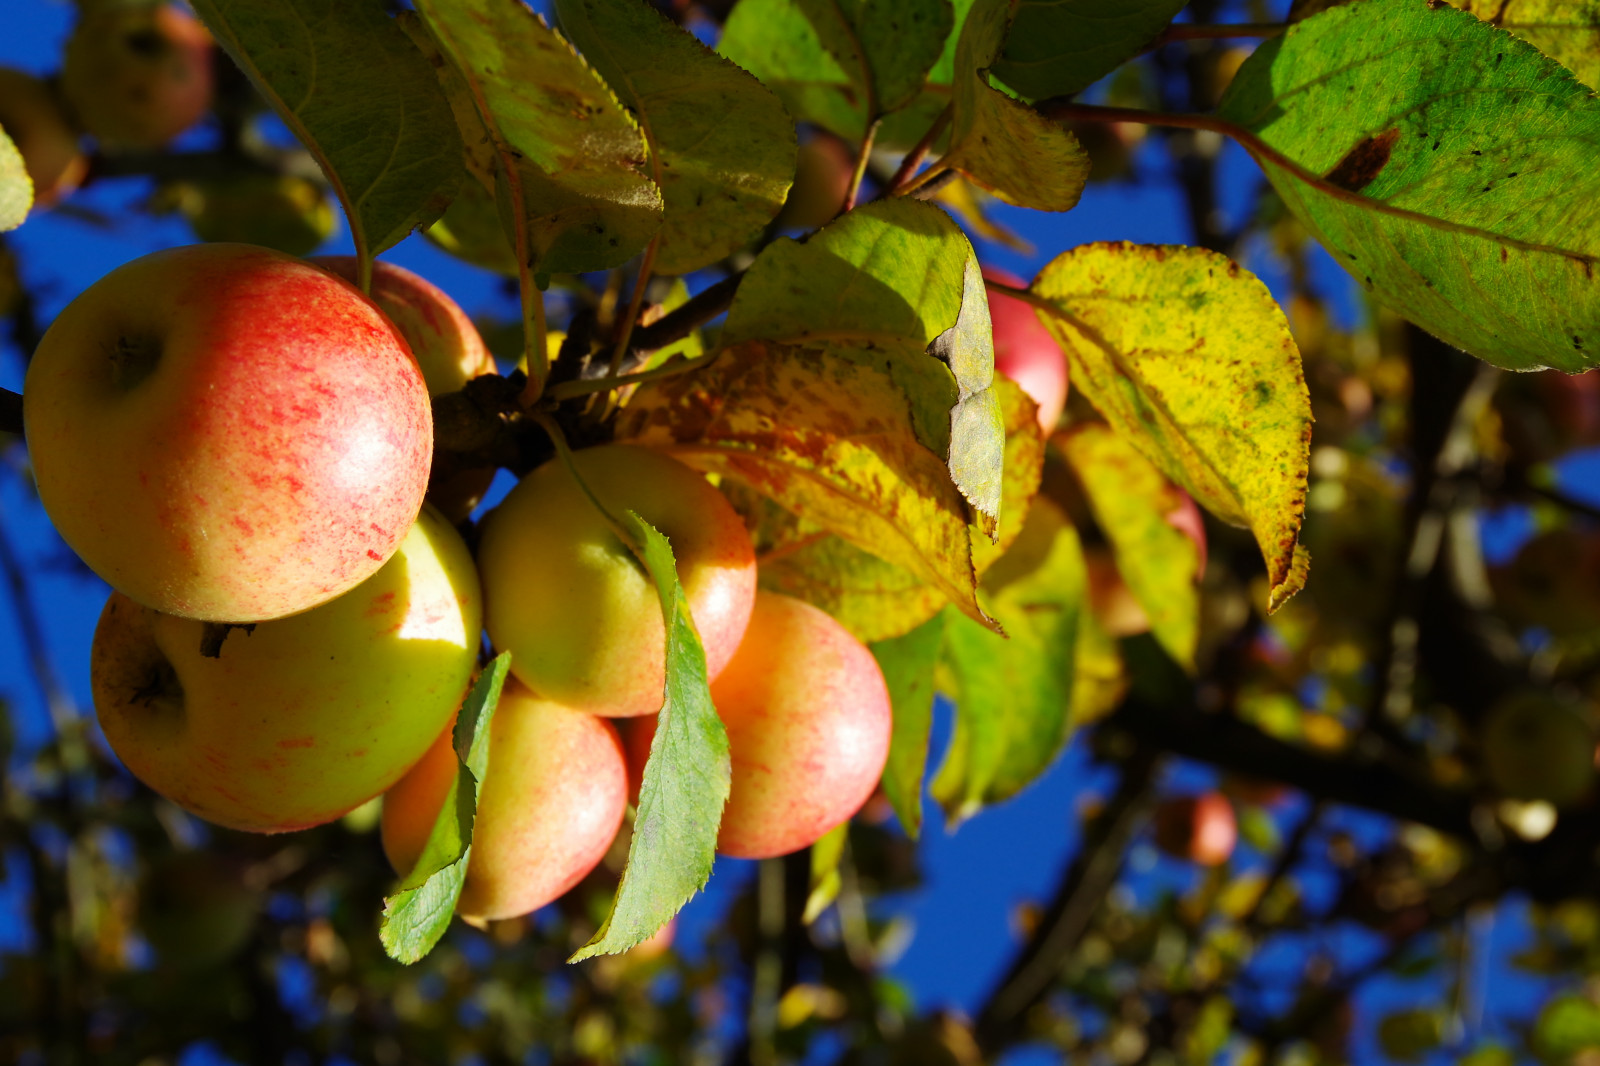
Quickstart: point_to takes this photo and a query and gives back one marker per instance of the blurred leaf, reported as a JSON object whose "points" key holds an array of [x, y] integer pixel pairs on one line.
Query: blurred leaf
{"points": [[470, 230], [908, 663], [1206, 1036], [693, 346], [1131, 501], [1001, 144], [1488, 1055], [827, 437], [825, 856], [1013, 693], [361, 98], [16, 188], [1409, 1035], [1257, 829], [1567, 31], [1565, 1026], [417, 915], [1188, 357], [566, 156], [686, 780], [1058, 48], [893, 285], [1462, 192], [722, 149]]}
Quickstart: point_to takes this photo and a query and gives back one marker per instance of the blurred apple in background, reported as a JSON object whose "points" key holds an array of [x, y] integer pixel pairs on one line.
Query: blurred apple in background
{"points": [[824, 165], [33, 118], [1538, 745], [551, 802], [227, 433], [1024, 351], [1201, 829], [290, 214], [470, 230], [137, 74], [197, 909], [302, 719]]}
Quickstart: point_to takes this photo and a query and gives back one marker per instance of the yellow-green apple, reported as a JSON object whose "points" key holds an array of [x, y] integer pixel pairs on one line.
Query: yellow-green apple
{"points": [[301, 719], [137, 75], [824, 166], [449, 350], [282, 211], [1539, 745], [35, 122], [574, 607], [224, 432], [552, 801], [1024, 351], [807, 712], [1200, 828]]}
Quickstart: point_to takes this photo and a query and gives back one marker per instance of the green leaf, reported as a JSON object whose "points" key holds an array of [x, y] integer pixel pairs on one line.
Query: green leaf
{"points": [[16, 188], [1409, 1035], [418, 913], [894, 284], [825, 880], [1061, 47], [1131, 501], [1013, 693], [1001, 144], [1567, 31], [686, 780], [722, 149], [566, 156], [908, 663], [361, 98], [1189, 358], [839, 63], [1567, 1025], [1462, 190]]}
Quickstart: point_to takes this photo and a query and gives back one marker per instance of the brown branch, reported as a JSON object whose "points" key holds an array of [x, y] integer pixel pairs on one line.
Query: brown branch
{"points": [[10, 412], [696, 312]]}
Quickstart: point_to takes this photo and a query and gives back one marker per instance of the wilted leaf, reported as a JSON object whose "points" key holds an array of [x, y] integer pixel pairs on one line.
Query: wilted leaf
{"points": [[16, 188], [1188, 357], [828, 438], [1567, 31], [722, 149], [686, 780], [416, 916], [1001, 144], [1462, 190], [361, 98], [567, 157], [908, 663], [895, 286], [1057, 48], [1131, 501], [1013, 696]]}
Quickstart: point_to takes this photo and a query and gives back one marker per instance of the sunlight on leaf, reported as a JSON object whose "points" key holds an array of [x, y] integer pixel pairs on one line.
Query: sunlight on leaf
{"points": [[1567, 31], [16, 188]]}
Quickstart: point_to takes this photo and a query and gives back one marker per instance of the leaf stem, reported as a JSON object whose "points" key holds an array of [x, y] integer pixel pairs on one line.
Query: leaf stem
{"points": [[535, 346], [936, 171], [646, 266], [919, 152], [567, 390], [863, 156]]}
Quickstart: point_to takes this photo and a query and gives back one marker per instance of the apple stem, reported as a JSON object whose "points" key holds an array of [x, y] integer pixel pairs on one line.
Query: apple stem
{"points": [[536, 354], [646, 266]]}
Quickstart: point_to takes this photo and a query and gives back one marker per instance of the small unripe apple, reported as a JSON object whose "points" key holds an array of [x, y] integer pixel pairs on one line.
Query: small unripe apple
{"points": [[574, 607], [447, 346], [808, 719], [552, 801], [32, 117], [280, 211], [298, 720], [1024, 350], [1200, 828], [137, 76], [824, 166], [1539, 745], [227, 433]]}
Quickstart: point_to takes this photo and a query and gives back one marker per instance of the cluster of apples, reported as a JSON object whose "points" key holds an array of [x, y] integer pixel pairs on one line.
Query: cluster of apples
{"points": [[240, 442], [134, 76]]}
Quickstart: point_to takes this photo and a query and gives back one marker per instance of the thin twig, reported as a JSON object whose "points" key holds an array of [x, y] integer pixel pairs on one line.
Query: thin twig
{"points": [[567, 390], [695, 312], [919, 152]]}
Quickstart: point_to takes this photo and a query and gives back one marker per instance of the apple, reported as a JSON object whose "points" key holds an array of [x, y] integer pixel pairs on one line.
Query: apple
{"points": [[637, 734], [1024, 351], [299, 720], [574, 607], [1539, 745], [824, 166], [282, 211], [449, 350], [227, 433], [197, 909], [551, 802], [33, 119], [137, 75], [1199, 828], [808, 719]]}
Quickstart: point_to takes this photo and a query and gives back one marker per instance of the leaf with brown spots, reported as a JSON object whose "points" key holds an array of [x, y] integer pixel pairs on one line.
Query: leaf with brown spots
{"points": [[567, 159], [1446, 164], [1567, 31], [827, 435], [1186, 355]]}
